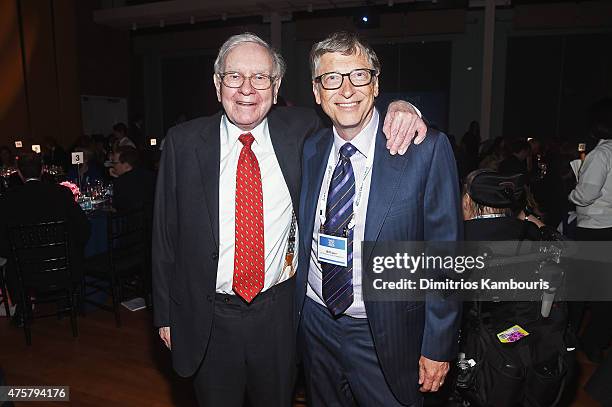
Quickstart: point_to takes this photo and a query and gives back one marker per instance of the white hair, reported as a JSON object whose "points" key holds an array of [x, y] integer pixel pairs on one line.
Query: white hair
{"points": [[278, 64]]}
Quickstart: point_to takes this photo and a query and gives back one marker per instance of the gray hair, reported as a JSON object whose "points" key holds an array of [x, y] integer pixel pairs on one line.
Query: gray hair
{"points": [[278, 63], [346, 43]]}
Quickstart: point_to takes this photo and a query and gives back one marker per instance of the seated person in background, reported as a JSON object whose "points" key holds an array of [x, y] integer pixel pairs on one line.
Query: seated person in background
{"points": [[54, 154], [492, 153], [7, 158], [491, 202], [7, 164], [36, 202], [120, 133], [88, 172], [516, 162], [133, 186]]}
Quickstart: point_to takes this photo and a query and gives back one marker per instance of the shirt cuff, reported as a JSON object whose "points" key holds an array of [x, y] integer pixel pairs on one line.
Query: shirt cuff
{"points": [[416, 109]]}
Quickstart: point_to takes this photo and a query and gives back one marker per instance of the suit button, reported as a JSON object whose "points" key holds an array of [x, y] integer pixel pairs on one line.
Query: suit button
{"points": [[209, 298], [214, 256]]}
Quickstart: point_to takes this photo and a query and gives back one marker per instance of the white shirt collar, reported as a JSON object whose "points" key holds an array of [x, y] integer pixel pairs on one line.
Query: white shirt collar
{"points": [[364, 138], [233, 132]]}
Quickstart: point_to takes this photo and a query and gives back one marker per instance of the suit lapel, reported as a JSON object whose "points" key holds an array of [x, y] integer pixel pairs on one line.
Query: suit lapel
{"points": [[284, 148], [208, 152], [387, 171], [313, 180]]}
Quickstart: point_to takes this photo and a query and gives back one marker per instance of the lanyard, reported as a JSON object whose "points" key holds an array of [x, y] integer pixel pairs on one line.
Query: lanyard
{"points": [[327, 181]]}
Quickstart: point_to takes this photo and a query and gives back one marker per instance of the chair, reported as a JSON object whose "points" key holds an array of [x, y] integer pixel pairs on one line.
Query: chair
{"points": [[123, 266], [3, 289], [41, 255]]}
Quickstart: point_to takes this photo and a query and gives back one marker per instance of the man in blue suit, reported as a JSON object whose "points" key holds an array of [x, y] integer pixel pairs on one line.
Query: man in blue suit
{"points": [[355, 351]]}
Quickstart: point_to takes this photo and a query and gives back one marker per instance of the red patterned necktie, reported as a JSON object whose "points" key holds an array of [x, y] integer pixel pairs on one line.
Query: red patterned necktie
{"points": [[249, 251]]}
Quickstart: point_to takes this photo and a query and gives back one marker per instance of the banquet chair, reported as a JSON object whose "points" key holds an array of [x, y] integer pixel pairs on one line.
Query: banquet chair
{"points": [[123, 267], [3, 290], [41, 254]]}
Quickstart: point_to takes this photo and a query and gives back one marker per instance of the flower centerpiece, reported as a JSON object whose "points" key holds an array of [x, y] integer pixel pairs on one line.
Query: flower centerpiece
{"points": [[73, 188]]}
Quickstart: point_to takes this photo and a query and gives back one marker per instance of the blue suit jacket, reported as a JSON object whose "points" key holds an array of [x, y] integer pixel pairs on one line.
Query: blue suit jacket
{"points": [[412, 197]]}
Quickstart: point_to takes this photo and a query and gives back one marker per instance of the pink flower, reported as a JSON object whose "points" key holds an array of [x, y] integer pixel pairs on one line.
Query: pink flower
{"points": [[73, 188]]}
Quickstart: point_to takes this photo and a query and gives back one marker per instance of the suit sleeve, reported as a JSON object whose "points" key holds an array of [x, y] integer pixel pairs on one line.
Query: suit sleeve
{"points": [[164, 233], [443, 222], [315, 123]]}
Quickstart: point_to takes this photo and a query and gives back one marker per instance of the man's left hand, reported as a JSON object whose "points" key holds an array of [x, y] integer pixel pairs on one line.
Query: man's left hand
{"points": [[402, 125], [431, 374]]}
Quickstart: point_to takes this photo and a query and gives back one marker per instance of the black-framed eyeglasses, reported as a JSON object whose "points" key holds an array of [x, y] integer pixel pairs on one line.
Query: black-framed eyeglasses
{"points": [[357, 77], [259, 81]]}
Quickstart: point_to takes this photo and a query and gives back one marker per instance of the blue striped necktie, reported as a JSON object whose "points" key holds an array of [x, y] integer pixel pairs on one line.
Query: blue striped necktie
{"points": [[337, 280]]}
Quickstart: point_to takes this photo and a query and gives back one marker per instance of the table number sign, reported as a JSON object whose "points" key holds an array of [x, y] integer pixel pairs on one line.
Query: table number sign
{"points": [[77, 157]]}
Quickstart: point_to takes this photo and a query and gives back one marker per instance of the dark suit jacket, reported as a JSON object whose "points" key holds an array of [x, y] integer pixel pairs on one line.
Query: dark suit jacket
{"points": [[36, 202], [186, 223], [133, 190], [412, 197]]}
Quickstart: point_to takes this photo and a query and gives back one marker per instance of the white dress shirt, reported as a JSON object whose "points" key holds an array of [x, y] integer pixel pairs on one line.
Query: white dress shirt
{"points": [[363, 141], [277, 206], [593, 193]]}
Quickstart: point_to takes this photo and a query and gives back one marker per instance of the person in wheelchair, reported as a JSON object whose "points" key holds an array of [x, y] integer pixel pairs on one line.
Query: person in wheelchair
{"points": [[530, 370]]}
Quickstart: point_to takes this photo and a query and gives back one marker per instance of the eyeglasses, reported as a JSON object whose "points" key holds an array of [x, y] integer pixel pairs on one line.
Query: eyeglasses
{"points": [[259, 81], [357, 77]]}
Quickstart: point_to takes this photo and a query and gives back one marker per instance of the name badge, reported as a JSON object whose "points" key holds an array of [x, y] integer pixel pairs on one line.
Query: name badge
{"points": [[332, 250]]}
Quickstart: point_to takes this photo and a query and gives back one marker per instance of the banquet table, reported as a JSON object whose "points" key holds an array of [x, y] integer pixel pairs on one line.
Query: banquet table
{"points": [[98, 239]]}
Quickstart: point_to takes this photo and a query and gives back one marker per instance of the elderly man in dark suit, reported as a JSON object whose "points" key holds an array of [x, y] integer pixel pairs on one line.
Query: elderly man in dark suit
{"points": [[356, 351], [224, 230]]}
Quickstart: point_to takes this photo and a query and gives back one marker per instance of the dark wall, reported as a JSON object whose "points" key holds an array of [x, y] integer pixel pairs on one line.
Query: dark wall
{"points": [[187, 88], [419, 71], [14, 121], [551, 81], [39, 79], [104, 55]]}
